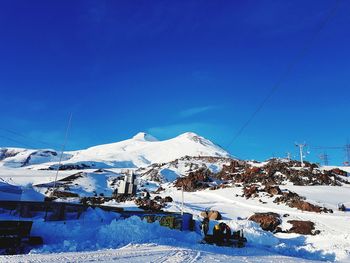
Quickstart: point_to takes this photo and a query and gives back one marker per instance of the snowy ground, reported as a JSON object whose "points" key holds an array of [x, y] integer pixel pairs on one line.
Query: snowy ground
{"points": [[98, 237], [332, 244], [141, 253]]}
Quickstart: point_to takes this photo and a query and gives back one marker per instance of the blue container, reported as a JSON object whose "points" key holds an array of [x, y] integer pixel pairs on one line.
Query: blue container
{"points": [[186, 222]]}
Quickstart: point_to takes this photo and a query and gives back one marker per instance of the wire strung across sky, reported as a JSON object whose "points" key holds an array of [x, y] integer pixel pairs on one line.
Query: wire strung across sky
{"points": [[28, 138], [287, 72]]}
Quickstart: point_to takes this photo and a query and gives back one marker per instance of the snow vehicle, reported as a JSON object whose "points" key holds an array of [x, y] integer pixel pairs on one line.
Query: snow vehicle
{"points": [[341, 207], [222, 236]]}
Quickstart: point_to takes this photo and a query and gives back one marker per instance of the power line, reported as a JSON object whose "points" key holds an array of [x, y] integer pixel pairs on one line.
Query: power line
{"points": [[17, 142], [288, 70], [28, 138]]}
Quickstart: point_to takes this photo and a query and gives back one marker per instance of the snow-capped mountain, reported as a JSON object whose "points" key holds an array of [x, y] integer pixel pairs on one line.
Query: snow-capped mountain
{"points": [[139, 151]]}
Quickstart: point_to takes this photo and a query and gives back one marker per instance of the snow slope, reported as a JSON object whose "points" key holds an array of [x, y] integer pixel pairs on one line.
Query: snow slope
{"points": [[332, 244]]}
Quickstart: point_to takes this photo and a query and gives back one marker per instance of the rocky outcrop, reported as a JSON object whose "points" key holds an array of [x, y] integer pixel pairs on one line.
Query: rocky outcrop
{"points": [[167, 199], [338, 171], [64, 194], [149, 205], [251, 191], [228, 172], [268, 221], [296, 201], [195, 180], [157, 204], [7, 153], [272, 190], [303, 227], [63, 167]]}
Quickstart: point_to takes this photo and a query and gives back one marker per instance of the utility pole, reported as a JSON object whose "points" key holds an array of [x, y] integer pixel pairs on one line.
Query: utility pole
{"points": [[347, 153], [324, 158], [301, 152], [289, 156], [182, 200]]}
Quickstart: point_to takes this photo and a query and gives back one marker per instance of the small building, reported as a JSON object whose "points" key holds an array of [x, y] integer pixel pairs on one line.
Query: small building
{"points": [[128, 185]]}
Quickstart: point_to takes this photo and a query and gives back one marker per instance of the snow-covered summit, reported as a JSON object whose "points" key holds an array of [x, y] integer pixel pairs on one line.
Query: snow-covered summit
{"points": [[139, 151], [144, 149], [142, 136]]}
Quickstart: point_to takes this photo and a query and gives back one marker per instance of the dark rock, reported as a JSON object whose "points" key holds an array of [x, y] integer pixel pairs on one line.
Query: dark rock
{"points": [[294, 200], [302, 227], [6, 153], [195, 180], [273, 190], [268, 221], [338, 171], [251, 191], [71, 167], [149, 205], [64, 194], [160, 189], [157, 198], [168, 199], [220, 186]]}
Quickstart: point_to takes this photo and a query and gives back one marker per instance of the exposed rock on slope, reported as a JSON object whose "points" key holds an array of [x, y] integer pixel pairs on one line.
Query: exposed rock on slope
{"points": [[303, 227], [268, 221], [195, 180]]}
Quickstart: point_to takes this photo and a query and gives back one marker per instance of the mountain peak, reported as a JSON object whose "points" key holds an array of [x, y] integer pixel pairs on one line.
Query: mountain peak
{"points": [[191, 136], [143, 136]]}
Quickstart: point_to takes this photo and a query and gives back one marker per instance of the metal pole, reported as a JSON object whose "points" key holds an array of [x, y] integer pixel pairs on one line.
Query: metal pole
{"points": [[347, 149], [301, 147], [182, 200], [61, 155], [289, 156]]}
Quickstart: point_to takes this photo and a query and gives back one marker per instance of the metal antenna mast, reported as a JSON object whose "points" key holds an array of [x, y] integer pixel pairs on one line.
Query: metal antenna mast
{"points": [[347, 153], [289, 156], [325, 158], [345, 148], [301, 152], [62, 151]]}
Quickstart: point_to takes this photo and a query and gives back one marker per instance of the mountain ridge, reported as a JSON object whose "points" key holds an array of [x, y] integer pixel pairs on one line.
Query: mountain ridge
{"points": [[139, 151]]}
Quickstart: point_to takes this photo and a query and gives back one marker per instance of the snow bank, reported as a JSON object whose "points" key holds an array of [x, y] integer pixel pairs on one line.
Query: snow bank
{"points": [[99, 230], [253, 232]]}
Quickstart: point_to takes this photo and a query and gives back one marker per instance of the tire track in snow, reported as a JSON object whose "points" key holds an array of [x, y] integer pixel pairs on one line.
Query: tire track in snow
{"points": [[179, 256]]}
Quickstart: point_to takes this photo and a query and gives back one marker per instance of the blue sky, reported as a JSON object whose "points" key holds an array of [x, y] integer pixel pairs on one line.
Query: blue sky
{"points": [[167, 67]]}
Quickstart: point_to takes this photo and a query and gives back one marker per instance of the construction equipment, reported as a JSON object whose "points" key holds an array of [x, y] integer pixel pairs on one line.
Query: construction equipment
{"points": [[222, 236], [237, 240]]}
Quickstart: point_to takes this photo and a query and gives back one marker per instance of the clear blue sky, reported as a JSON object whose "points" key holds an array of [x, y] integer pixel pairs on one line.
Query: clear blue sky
{"points": [[167, 67]]}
